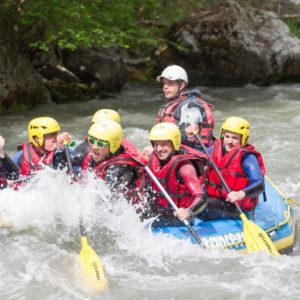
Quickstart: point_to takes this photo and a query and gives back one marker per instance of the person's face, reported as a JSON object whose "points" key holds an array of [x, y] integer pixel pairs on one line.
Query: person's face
{"points": [[231, 139], [163, 149], [171, 87], [98, 149], [50, 141]]}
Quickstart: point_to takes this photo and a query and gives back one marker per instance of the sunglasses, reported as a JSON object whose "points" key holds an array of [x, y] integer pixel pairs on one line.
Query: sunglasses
{"points": [[99, 143]]}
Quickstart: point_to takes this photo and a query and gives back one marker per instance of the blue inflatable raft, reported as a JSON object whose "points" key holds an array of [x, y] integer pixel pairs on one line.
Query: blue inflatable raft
{"points": [[273, 214]]}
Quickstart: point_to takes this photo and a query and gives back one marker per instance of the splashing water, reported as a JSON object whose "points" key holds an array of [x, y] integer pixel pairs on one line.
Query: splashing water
{"points": [[40, 251]]}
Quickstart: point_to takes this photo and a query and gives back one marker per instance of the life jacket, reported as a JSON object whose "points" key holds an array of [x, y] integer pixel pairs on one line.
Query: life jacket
{"points": [[166, 114], [130, 156], [168, 175], [230, 166], [32, 160]]}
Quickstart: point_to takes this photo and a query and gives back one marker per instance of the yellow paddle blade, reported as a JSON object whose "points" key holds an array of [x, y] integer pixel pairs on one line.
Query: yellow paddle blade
{"points": [[256, 238], [5, 224], [92, 267]]}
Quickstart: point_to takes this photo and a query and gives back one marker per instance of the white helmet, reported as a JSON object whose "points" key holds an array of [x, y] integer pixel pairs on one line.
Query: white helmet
{"points": [[173, 73]]}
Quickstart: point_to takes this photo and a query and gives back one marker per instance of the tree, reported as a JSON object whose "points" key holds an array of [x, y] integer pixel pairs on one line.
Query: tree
{"points": [[130, 24]]}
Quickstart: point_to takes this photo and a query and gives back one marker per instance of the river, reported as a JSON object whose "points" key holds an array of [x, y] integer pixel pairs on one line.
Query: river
{"points": [[39, 253]]}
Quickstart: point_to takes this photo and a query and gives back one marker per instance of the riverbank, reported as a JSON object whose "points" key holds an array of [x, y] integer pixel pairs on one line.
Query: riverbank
{"points": [[222, 43]]}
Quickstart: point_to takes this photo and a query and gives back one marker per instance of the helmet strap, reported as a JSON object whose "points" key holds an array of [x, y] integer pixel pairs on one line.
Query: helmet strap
{"points": [[180, 89]]}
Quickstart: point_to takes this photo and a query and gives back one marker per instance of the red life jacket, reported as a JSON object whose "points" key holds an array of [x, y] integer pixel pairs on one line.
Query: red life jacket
{"points": [[166, 114], [130, 156], [230, 166], [32, 160], [168, 175]]}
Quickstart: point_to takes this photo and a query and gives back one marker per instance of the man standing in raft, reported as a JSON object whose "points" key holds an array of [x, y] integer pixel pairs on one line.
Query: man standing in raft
{"points": [[184, 107]]}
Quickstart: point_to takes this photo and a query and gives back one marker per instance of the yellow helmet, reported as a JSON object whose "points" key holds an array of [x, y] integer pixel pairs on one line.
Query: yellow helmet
{"points": [[106, 114], [38, 127], [109, 131], [164, 132], [237, 125]]}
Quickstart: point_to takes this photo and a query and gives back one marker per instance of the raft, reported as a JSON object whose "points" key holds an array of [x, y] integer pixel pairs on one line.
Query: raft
{"points": [[273, 214]]}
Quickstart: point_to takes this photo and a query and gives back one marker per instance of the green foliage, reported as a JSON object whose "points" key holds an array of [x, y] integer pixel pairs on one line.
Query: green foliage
{"points": [[294, 27], [133, 24]]}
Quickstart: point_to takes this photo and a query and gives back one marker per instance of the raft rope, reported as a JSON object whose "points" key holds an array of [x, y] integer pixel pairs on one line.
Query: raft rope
{"points": [[289, 200], [293, 201]]}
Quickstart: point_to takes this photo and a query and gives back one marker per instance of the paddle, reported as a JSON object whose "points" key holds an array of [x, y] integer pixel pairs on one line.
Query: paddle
{"points": [[171, 202], [25, 178], [256, 238], [90, 261]]}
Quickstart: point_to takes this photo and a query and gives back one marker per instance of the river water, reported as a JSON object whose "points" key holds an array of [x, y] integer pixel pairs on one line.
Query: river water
{"points": [[39, 251]]}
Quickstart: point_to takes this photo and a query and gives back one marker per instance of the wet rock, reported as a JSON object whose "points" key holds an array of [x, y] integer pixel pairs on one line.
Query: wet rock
{"points": [[97, 66], [82, 74], [232, 45], [21, 86]]}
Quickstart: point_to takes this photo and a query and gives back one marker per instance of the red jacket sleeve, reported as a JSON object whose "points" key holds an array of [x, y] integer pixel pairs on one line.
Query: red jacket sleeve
{"points": [[189, 177]]}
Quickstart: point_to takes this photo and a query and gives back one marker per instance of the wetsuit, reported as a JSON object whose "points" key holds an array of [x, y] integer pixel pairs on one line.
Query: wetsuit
{"points": [[121, 171], [189, 109], [182, 176], [8, 170]]}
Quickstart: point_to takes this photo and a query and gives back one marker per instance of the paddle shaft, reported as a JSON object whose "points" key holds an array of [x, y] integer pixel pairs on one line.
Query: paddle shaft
{"points": [[70, 167], [174, 206], [217, 171], [24, 178]]}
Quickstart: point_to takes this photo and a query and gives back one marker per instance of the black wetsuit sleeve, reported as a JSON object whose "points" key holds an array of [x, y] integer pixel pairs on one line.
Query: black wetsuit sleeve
{"points": [[8, 168], [59, 160], [81, 150]]}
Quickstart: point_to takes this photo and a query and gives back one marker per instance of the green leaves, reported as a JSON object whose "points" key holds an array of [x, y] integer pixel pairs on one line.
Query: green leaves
{"points": [[133, 24]]}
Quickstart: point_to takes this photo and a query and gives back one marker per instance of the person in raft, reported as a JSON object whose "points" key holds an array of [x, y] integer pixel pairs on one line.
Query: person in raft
{"points": [[9, 171], [185, 107], [45, 147], [242, 167], [180, 170], [114, 159], [102, 114]]}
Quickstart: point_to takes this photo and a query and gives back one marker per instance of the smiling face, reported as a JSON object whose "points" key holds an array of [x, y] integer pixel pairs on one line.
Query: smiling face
{"points": [[171, 88], [163, 149], [231, 139], [50, 141]]}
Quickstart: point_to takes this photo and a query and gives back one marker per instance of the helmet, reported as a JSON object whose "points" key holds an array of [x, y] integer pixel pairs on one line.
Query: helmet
{"points": [[109, 131], [106, 114], [237, 125], [174, 73], [166, 131], [38, 127]]}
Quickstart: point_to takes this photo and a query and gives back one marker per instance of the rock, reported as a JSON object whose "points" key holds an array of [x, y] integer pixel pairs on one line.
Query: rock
{"points": [[97, 66], [232, 45], [20, 85], [82, 74]]}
